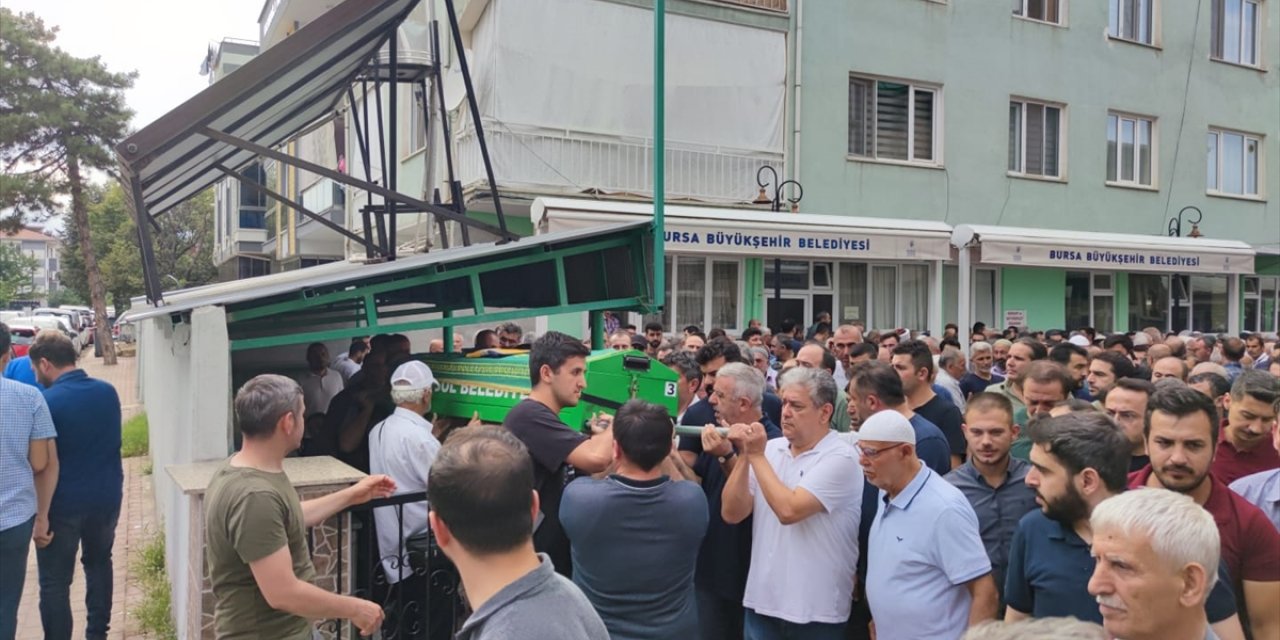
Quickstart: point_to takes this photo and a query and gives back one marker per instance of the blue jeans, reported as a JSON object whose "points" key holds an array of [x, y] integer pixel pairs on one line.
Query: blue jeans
{"points": [[15, 543], [93, 534], [719, 618], [758, 627]]}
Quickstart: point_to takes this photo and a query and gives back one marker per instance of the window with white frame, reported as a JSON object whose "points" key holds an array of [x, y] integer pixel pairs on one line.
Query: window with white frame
{"points": [[884, 295], [1132, 20], [1130, 144], [894, 120], [1042, 10], [1090, 300], [691, 278], [1261, 303], [1234, 31], [1232, 162], [417, 122], [1035, 139]]}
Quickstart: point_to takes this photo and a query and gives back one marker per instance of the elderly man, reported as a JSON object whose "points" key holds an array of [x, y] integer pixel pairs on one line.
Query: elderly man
{"points": [[510, 335], [1156, 565], [737, 398], [928, 574], [951, 369], [805, 491], [759, 357], [648, 591], [1126, 403], [991, 479], [813, 356], [1078, 462], [403, 448], [1181, 430], [1169, 367], [980, 376], [1251, 413], [320, 384], [843, 341], [1000, 352]]}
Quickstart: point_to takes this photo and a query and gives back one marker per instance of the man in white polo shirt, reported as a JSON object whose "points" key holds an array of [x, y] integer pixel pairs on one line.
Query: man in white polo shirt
{"points": [[805, 491], [928, 575], [403, 447]]}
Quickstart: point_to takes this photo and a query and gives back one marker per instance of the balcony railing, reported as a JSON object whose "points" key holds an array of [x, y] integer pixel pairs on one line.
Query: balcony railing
{"points": [[568, 162], [767, 5]]}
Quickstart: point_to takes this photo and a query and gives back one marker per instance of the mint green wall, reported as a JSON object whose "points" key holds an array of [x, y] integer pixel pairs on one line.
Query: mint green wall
{"points": [[1039, 292], [1121, 285], [567, 323], [981, 55], [752, 291]]}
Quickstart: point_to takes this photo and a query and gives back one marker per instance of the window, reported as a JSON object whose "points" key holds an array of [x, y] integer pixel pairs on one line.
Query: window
{"points": [[1234, 31], [1260, 303], [1233, 163], [893, 120], [694, 276], [1042, 10], [1129, 149], [1132, 20], [417, 122], [253, 267], [1148, 301], [1035, 134], [1090, 301]]}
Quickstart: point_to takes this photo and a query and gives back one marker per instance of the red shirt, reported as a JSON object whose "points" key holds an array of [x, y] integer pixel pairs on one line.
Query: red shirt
{"points": [[1250, 543], [1231, 464]]}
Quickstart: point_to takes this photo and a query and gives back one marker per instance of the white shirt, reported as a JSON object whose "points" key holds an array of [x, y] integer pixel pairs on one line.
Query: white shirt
{"points": [[944, 380], [804, 572], [842, 378], [401, 447], [318, 390], [345, 366]]}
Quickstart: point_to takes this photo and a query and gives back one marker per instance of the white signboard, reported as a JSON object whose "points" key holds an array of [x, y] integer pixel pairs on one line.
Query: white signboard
{"points": [[802, 243], [1015, 318], [1131, 259]]}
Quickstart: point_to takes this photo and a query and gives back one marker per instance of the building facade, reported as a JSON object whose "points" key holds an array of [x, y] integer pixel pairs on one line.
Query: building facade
{"points": [[46, 251]]}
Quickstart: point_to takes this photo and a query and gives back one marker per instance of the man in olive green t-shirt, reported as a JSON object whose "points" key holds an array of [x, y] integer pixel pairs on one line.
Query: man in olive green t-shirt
{"points": [[255, 544]]}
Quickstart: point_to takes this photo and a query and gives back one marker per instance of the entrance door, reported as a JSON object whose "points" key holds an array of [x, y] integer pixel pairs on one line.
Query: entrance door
{"points": [[785, 308]]}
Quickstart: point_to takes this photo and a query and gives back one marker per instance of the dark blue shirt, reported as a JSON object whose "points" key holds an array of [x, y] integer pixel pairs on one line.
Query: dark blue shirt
{"points": [[999, 508], [725, 555], [86, 413], [971, 383], [19, 369], [635, 544], [1050, 567]]}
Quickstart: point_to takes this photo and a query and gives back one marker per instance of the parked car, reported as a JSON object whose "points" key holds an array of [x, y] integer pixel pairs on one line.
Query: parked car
{"points": [[57, 322], [22, 337], [70, 319]]}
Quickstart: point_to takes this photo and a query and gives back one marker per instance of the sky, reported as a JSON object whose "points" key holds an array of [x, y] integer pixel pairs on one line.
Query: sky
{"points": [[163, 40]]}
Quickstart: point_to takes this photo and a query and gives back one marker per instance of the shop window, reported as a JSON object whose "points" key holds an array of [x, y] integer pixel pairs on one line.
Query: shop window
{"points": [[691, 291], [1209, 303], [884, 287], [1148, 301], [691, 278], [915, 296], [853, 293], [984, 297], [1090, 301], [1260, 303]]}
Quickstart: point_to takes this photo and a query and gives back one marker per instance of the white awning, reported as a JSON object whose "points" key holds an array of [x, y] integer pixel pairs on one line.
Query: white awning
{"points": [[744, 232], [1110, 251]]}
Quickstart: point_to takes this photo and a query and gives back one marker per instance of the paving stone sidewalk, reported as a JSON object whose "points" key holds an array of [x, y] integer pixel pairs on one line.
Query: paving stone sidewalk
{"points": [[136, 526]]}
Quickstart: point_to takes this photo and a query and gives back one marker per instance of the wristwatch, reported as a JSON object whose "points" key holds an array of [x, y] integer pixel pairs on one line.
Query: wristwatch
{"points": [[727, 457]]}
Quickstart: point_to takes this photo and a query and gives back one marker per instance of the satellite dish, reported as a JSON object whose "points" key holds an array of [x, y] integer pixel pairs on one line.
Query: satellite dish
{"points": [[455, 89]]}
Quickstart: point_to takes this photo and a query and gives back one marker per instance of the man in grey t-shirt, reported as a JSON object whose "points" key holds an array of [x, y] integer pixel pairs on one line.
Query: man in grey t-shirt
{"points": [[483, 504]]}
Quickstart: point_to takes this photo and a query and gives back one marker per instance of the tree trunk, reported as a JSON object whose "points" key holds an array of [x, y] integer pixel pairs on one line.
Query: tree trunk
{"points": [[97, 291]]}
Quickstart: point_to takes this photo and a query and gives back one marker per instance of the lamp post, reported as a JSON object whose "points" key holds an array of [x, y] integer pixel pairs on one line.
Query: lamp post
{"points": [[1175, 231], [775, 204]]}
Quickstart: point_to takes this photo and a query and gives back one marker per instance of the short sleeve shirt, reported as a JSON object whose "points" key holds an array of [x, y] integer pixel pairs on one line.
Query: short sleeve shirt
{"points": [[1262, 490], [924, 549], [250, 514], [804, 572], [549, 442], [24, 417], [998, 508], [1231, 464]]}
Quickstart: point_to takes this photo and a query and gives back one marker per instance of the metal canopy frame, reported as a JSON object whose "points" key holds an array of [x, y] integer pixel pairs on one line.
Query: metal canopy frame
{"points": [[289, 89]]}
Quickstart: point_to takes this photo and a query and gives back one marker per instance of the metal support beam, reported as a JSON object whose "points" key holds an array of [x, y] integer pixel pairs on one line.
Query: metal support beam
{"points": [[142, 221], [393, 105], [337, 176], [296, 206]]}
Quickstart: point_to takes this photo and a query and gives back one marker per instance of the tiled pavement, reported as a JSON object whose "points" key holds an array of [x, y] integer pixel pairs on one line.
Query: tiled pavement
{"points": [[136, 526]]}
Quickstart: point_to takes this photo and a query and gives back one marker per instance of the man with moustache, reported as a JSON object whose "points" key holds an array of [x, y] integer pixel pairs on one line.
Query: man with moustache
{"points": [[980, 376], [1045, 385], [1078, 461], [1169, 367], [1182, 430], [1021, 354], [1251, 413], [1126, 403], [1076, 361], [992, 480]]}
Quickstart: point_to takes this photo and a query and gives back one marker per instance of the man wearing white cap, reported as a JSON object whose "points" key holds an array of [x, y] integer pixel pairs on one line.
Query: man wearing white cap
{"points": [[403, 447], [928, 574]]}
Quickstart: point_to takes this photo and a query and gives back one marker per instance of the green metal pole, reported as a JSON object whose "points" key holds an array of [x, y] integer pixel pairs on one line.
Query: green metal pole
{"points": [[597, 329], [659, 151]]}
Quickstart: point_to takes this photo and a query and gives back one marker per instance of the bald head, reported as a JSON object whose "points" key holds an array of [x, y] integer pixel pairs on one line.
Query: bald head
{"points": [[813, 356], [1169, 367], [1158, 351]]}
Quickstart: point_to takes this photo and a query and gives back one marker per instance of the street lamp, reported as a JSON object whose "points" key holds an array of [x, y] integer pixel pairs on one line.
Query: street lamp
{"points": [[775, 202], [1176, 290]]}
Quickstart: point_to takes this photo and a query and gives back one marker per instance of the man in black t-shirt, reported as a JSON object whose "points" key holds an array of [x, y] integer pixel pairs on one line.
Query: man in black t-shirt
{"points": [[557, 368], [914, 363]]}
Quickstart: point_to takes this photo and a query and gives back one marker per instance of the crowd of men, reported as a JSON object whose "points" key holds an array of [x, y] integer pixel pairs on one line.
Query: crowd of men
{"points": [[844, 483]]}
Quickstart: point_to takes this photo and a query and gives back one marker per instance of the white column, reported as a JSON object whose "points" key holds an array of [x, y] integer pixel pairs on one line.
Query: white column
{"points": [[1233, 304], [935, 299], [964, 300]]}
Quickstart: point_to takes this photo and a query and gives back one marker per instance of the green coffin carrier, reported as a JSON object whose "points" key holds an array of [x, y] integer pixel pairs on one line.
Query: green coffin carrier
{"points": [[491, 386]]}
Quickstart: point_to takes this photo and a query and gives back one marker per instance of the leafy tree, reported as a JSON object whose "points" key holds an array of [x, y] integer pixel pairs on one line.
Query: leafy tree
{"points": [[59, 117], [16, 272]]}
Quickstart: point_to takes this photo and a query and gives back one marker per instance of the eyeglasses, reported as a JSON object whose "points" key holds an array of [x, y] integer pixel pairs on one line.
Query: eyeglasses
{"points": [[875, 453]]}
